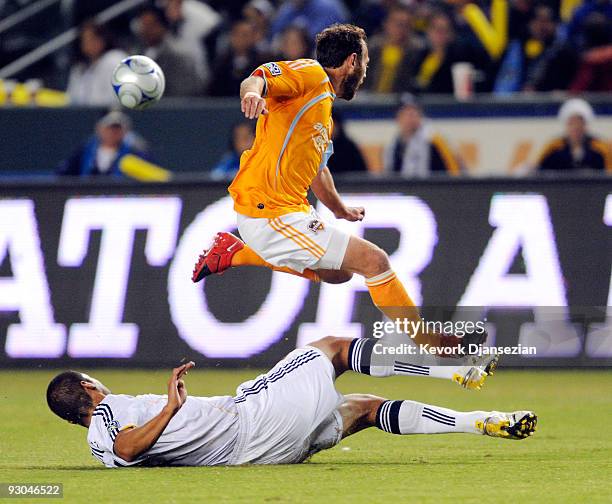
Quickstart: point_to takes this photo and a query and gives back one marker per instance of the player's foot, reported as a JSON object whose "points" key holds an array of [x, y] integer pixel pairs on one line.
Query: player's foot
{"points": [[218, 257], [476, 375], [516, 425]]}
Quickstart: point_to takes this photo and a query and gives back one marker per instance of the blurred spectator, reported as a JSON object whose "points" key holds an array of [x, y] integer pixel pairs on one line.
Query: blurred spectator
{"points": [[313, 15], [191, 22], [391, 54], [523, 56], [483, 30], [417, 151], [488, 22], [582, 62], [371, 14], [347, 156], [555, 70], [88, 83], [260, 13], [237, 61], [576, 27], [434, 61], [521, 13], [577, 149], [595, 67], [294, 44], [243, 135], [177, 61], [230, 10], [104, 152]]}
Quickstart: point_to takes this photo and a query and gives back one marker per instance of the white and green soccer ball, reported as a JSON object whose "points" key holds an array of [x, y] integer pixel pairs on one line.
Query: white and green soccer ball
{"points": [[138, 82]]}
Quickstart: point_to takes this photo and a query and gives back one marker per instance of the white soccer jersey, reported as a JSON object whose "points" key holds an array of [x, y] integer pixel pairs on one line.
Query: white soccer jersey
{"points": [[203, 432]]}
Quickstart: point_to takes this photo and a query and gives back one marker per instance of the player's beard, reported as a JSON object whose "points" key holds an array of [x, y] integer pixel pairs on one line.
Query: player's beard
{"points": [[351, 84]]}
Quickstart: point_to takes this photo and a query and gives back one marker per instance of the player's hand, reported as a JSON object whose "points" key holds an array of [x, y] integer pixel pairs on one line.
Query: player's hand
{"points": [[177, 393], [253, 105], [351, 214]]}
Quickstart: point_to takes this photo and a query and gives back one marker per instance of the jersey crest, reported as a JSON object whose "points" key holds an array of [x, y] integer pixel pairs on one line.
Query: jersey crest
{"points": [[274, 69]]}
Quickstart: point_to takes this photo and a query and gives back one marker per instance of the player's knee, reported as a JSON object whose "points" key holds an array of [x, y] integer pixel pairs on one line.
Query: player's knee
{"points": [[378, 262], [365, 406], [330, 345], [336, 349]]}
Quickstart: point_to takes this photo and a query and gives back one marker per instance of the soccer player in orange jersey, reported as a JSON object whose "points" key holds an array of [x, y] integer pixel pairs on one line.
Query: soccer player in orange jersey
{"points": [[292, 101]]}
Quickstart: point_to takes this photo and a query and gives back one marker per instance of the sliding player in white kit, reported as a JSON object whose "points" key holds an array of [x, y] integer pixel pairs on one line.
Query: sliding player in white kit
{"points": [[281, 417]]}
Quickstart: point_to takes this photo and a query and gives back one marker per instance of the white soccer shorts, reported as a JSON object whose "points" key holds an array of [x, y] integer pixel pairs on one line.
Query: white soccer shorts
{"points": [[297, 240], [289, 413]]}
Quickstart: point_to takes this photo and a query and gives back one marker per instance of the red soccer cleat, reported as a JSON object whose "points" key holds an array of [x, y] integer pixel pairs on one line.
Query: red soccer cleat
{"points": [[218, 257]]}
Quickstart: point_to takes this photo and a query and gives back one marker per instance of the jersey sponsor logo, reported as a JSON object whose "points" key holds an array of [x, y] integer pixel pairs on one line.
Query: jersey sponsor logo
{"points": [[316, 225], [321, 138], [274, 69]]}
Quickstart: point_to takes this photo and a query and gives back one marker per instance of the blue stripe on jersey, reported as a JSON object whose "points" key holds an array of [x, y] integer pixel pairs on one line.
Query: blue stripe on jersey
{"points": [[262, 383], [293, 124]]}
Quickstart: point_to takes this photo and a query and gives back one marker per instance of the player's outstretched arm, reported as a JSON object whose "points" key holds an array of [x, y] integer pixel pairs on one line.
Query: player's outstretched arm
{"points": [[325, 190], [251, 101], [131, 444]]}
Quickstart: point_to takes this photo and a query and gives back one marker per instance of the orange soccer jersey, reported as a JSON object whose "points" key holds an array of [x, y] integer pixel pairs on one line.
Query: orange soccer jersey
{"points": [[292, 142]]}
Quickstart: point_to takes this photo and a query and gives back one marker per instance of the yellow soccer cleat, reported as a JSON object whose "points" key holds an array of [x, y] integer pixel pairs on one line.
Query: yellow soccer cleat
{"points": [[517, 425], [475, 377]]}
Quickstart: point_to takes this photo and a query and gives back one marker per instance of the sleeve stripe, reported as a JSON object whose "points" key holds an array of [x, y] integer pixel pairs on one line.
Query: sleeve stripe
{"points": [[106, 413], [97, 456]]}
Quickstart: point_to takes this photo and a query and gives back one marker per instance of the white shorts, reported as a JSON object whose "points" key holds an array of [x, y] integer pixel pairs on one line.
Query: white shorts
{"points": [[289, 413], [297, 240]]}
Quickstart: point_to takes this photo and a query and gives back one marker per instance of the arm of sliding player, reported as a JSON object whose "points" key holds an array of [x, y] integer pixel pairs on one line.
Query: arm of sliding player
{"points": [[132, 443], [325, 190], [252, 103]]}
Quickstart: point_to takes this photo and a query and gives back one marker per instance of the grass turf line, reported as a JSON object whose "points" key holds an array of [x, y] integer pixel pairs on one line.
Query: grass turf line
{"points": [[568, 460]]}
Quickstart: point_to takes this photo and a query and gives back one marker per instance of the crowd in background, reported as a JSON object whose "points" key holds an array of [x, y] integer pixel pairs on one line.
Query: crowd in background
{"points": [[208, 47]]}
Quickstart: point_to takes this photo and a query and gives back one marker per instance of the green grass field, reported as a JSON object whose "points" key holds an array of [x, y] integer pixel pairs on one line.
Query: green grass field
{"points": [[568, 460]]}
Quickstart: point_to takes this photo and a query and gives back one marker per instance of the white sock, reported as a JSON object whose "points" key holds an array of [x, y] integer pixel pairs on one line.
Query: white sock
{"points": [[411, 417], [368, 356]]}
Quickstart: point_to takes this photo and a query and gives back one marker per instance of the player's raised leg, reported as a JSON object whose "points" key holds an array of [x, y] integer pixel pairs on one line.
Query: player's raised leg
{"points": [[229, 251], [370, 356], [389, 294], [361, 411]]}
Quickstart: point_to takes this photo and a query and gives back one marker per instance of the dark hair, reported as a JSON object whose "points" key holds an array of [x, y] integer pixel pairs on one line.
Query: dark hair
{"points": [[439, 14], [101, 31], [67, 398], [400, 8], [158, 13], [303, 34], [337, 42]]}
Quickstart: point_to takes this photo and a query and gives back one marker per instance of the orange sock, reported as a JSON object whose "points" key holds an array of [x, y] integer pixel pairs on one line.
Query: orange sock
{"points": [[390, 297], [248, 257]]}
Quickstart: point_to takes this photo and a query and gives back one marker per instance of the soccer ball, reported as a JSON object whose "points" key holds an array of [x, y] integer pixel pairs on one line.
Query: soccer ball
{"points": [[138, 82]]}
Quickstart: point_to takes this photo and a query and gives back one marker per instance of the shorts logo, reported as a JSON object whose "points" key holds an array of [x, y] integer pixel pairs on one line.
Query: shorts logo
{"points": [[315, 226], [274, 69]]}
